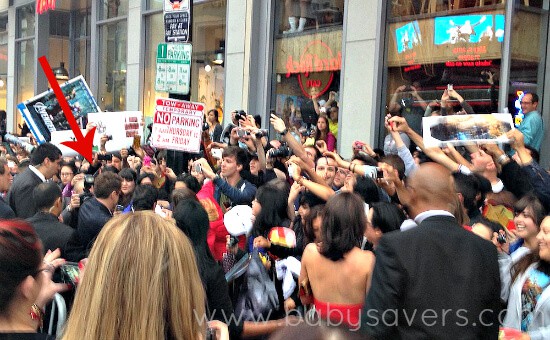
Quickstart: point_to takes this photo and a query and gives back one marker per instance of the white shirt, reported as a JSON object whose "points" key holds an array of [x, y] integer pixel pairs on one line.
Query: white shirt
{"points": [[37, 173], [429, 213]]}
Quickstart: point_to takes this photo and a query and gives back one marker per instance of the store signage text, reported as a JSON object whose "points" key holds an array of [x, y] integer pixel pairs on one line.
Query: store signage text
{"points": [[471, 53], [311, 62], [315, 70], [43, 6], [478, 63], [412, 68], [410, 58]]}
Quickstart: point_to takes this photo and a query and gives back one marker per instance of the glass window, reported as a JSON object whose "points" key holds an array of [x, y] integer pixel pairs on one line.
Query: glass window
{"points": [[3, 59], [25, 73], [307, 63], [441, 45], [25, 21], [154, 34], [113, 8], [207, 77], [81, 43], [528, 51], [112, 66], [155, 4]]}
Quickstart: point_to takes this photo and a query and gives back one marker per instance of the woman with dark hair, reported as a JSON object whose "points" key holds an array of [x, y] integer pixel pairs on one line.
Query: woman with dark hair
{"points": [[128, 186], [214, 127], [383, 218], [192, 219], [323, 133], [68, 171], [529, 213], [338, 253], [145, 178], [270, 208], [25, 280], [312, 224], [527, 288]]}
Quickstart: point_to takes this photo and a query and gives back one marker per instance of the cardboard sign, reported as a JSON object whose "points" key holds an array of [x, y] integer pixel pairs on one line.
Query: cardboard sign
{"points": [[44, 115], [177, 125], [466, 129], [122, 127]]}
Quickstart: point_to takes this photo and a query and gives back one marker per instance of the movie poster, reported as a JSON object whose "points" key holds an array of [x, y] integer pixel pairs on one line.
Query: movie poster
{"points": [[44, 115]]}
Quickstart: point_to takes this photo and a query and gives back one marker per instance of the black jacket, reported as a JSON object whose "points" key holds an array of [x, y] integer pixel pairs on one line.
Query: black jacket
{"points": [[437, 269], [20, 194], [6, 212], [53, 233], [92, 216]]}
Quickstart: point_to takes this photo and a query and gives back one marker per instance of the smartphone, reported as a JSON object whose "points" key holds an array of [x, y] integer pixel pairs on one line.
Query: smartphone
{"points": [[291, 168], [216, 153], [105, 157], [119, 208], [241, 133], [449, 87], [70, 273], [158, 211], [379, 173], [358, 145], [197, 168], [372, 171]]}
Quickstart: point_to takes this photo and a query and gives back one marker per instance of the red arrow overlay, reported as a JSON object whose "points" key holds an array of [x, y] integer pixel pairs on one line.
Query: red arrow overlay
{"points": [[82, 145]]}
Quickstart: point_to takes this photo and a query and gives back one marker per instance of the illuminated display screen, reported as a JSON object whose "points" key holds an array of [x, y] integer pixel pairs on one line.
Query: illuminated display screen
{"points": [[468, 29], [408, 36]]}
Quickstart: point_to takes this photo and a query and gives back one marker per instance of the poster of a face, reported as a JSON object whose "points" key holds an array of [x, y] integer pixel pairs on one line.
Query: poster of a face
{"points": [[44, 115], [466, 129]]}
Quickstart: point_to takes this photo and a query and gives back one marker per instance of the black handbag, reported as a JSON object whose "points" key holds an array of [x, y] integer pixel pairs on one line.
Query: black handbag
{"points": [[257, 296]]}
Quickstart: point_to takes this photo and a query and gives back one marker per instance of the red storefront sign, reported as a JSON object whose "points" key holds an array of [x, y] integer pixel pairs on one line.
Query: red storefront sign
{"points": [[43, 6], [315, 68]]}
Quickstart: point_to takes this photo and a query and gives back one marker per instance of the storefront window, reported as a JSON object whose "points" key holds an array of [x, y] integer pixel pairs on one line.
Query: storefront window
{"points": [[25, 21], [307, 61], [155, 4], [109, 9], [24, 50], [207, 70], [112, 66], [154, 34], [3, 59], [81, 42], [528, 51], [434, 45]]}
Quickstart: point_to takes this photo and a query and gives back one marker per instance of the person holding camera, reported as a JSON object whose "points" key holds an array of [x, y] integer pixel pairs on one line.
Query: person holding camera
{"points": [[236, 115], [410, 106], [230, 188]]}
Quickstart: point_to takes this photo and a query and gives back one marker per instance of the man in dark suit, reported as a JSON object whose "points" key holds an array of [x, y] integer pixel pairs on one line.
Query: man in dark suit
{"points": [[45, 161], [5, 182], [435, 281], [48, 201]]}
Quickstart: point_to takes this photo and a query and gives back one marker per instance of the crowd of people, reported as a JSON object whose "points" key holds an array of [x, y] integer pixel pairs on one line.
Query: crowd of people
{"points": [[278, 236]]}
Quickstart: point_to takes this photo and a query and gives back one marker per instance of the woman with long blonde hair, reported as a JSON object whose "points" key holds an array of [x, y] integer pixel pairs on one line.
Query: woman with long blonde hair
{"points": [[141, 282]]}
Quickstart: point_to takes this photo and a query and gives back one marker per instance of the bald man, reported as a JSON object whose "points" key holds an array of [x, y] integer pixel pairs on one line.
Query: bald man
{"points": [[436, 281]]}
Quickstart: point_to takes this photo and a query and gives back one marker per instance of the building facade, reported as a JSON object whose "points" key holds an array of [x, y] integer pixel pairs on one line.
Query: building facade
{"points": [[264, 56]]}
